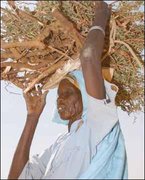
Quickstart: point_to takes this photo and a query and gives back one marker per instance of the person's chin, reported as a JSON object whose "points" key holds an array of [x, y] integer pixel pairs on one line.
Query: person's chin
{"points": [[64, 116]]}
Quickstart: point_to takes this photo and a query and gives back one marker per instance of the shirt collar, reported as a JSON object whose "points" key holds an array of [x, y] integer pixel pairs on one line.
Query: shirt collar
{"points": [[74, 125]]}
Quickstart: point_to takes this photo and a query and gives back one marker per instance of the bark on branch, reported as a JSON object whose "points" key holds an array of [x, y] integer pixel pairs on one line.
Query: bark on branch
{"points": [[49, 71], [27, 44], [19, 66], [69, 27], [16, 53], [7, 55], [22, 13], [140, 63], [44, 33]]}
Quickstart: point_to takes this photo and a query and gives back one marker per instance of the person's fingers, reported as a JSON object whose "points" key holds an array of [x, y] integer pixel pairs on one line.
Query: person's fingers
{"points": [[43, 96], [39, 90], [34, 92], [26, 95], [97, 2], [45, 93], [110, 7], [100, 5], [31, 94]]}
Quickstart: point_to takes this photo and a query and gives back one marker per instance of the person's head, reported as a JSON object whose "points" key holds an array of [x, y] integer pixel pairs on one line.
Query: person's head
{"points": [[69, 101], [79, 79], [76, 79]]}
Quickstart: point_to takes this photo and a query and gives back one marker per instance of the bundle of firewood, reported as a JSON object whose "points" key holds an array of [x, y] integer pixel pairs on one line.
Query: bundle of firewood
{"points": [[40, 46]]}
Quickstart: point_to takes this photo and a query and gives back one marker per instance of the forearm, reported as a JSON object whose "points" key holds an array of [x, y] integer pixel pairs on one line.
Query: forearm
{"points": [[94, 43], [21, 155], [91, 55], [93, 49], [91, 64]]}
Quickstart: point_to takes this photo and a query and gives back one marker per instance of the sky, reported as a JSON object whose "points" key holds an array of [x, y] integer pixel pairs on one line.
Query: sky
{"points": [[13, 116]]}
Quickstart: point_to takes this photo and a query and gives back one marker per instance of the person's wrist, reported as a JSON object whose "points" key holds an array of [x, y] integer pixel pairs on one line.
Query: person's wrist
{"points": [[101, 18], [102, 25], [31, 115]]}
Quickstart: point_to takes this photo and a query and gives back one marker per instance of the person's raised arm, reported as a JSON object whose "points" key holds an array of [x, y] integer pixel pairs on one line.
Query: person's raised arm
{"points": [[91, 53], [35, 105]]}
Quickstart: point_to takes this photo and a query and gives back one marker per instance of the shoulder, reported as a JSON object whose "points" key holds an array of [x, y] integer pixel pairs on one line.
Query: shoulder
{"points": [[109, 101]]}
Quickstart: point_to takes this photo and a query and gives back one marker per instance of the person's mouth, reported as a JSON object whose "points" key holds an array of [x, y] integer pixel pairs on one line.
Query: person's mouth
{"points": [[61, 108]]}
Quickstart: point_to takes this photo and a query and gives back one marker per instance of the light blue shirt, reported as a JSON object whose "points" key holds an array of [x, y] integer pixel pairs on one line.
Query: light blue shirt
{"points": [[72, 153]]}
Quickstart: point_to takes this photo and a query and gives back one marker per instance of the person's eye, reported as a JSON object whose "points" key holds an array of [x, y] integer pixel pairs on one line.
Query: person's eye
{"points": [[71, 91]]}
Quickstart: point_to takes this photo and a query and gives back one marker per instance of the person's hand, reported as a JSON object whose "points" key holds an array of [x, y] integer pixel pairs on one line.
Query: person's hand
{"points": [[102, 7], [35, 102], [102, 13]]}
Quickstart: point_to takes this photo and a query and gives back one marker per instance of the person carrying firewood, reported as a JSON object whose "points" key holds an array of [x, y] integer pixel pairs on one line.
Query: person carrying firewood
{"points": [[93, 147]]}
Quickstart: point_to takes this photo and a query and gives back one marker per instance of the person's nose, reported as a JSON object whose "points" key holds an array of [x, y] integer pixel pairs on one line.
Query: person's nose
{"points": [[60, 100]]}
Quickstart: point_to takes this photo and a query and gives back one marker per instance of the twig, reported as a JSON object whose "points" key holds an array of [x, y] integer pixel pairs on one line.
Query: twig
{"points": [[38, 53], [15, 53], [60, 52], [22, 13], [26, 15], [68, 26], [19, 66], [126, 55], [111, 38], [60, 73], [131, 51], [27, 44], [44, 33], [49, 71], [7, 55]]}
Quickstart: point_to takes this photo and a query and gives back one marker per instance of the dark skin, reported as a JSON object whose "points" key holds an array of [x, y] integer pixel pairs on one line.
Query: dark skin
{"points": [[70, 100]]}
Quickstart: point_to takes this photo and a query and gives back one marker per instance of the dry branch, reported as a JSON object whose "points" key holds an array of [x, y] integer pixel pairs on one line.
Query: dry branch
{"points": [[22, 13], [15, 52], [60, 52], [44, 33], [7, 55], [68, 26], [51, 40], [60, 73], [19, 66], [132, 52], [26, 44], [44, 74]]}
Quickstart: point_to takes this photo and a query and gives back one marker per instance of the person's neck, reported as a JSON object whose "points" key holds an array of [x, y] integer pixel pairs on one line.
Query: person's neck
{"points": [[71, 121]]}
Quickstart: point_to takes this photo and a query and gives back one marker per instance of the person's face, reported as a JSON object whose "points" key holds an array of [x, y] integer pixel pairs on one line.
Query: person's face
{"points": [[69, 102]]}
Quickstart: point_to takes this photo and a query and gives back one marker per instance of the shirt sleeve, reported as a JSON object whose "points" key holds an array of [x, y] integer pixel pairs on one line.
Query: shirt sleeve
{"points": [[36, 166], [102, 114]]}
